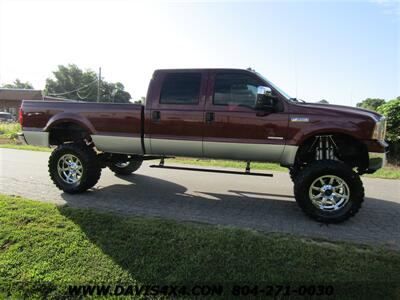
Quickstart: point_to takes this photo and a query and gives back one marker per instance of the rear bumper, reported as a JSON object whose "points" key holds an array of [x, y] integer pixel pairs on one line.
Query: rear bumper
{"points": [[21, 138], [35, 138]]}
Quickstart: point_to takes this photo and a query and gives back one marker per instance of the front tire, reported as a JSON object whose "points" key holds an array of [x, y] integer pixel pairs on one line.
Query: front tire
{"points": [[125, 168], [74, 168], [329, 191], [294, 172]]}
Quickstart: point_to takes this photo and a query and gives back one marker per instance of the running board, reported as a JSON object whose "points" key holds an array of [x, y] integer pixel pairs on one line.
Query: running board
{"points": [[162, 166]]}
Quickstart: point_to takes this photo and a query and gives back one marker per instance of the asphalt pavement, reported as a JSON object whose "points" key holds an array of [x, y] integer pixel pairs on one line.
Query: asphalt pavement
{"points": [[252, 202]]}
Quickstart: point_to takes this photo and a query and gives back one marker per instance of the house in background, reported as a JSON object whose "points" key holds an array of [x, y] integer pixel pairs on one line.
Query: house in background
{"points": [[11, 99]]}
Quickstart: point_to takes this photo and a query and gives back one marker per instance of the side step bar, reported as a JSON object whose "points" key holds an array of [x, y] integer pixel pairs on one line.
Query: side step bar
{"points": [[247, 172]]}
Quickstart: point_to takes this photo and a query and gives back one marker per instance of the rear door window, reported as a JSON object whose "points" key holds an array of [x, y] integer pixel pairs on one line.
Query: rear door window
{"points": [[181, 88]]}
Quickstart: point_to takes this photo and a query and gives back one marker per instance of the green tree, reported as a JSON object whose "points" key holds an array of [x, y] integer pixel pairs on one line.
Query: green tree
{"points": [[141, 100], [18, 84], [73, 83], [114, 92], [323, 101], [371, 103], [391, 110]]}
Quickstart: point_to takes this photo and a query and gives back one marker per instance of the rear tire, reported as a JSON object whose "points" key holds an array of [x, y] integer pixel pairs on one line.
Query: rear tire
{"points": [[329, 191], [125, 168], [74, 168]]}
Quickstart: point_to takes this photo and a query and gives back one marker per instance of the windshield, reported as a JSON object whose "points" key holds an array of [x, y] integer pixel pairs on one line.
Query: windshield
{"points": [[275, 87]]}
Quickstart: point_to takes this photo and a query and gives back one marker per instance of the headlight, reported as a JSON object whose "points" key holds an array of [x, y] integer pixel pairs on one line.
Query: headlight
{"points": [[379, 130]]}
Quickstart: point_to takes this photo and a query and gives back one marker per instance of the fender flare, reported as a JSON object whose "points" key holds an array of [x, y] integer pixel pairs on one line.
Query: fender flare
{"points": [[69, 118], [303, 136]]}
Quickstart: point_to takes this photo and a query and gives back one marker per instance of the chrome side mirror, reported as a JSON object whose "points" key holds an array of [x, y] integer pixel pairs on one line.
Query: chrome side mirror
{"points": [[265, 98], [264, 90]]}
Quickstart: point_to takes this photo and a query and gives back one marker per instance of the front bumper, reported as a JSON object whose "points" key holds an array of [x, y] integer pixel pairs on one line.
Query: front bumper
{"points": [[376, 155], [376, 161]]}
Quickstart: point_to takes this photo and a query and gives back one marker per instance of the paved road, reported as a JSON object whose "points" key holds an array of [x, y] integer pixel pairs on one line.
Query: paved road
{"points": [[260, 203]]}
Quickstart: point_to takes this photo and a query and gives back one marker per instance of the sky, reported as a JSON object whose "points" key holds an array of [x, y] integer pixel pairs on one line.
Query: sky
{"points": [[341, 51]]}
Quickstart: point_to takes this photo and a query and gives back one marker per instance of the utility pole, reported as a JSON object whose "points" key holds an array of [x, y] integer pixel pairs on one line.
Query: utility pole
{"points": [[99, 86]]}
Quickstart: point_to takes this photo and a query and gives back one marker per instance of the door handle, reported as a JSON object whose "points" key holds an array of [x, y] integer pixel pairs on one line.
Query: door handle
{"points": [[210, 117], [155, 115]]}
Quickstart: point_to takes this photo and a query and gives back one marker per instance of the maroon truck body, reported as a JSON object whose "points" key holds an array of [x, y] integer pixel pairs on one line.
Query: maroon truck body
{"points": [[235, 132], [215, 113]]}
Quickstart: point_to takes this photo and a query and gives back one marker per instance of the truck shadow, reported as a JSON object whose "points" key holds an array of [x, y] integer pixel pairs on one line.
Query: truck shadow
{"points": [[127, 242], [376, 223], [157, 197]]}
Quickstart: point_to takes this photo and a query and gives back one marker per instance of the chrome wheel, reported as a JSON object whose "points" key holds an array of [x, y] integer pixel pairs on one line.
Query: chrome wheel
{"points": [[122, 164], [329, 193], [70, 168]]}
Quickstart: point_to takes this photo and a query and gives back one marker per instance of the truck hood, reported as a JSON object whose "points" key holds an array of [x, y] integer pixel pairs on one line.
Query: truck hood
{"points": [[339, 109]]}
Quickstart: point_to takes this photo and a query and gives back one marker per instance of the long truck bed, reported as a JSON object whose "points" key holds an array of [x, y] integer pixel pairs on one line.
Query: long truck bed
{"points": [[113, 127]]}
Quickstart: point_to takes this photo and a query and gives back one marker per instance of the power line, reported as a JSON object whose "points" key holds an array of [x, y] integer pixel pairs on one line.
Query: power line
{"points": [[85, 86], [83, 97]]}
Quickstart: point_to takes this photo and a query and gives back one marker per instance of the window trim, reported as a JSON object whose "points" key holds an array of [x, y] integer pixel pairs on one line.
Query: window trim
{"points": [[183, 74]]}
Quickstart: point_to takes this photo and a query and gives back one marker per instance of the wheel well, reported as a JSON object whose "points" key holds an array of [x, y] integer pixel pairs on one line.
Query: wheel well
{"points": [[68, 132], [344, 148]]}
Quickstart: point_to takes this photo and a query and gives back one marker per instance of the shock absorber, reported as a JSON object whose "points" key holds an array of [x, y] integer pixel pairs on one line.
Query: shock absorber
{"points": [[324, 147]]}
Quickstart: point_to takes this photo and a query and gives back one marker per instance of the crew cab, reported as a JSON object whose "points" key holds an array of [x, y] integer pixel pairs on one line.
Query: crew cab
{"points": [[230, 114]]}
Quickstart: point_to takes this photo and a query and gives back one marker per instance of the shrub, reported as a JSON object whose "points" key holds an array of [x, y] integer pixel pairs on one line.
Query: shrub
{"points": [[9, 130], [391, 110]]}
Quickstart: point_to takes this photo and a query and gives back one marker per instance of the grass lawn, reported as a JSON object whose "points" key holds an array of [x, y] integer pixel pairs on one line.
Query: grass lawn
{"points": [[26, 147], [41, 243], [389, 172]]}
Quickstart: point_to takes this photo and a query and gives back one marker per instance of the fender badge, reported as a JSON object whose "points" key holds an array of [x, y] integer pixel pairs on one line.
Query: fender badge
{"points": [[300, 119]]}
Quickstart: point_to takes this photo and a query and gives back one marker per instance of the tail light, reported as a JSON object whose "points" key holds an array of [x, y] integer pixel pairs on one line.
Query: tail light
{"points": [[21, 116]]}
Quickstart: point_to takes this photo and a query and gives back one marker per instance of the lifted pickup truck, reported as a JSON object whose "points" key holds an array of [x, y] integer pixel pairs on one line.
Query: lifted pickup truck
{"points": [[215, 113]]}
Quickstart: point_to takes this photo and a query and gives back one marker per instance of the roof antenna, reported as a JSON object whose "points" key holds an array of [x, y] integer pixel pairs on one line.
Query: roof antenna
{"points": [[295, 71]]}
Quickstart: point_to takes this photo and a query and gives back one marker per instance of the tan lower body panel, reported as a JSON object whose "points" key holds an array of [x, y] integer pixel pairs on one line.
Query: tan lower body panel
{"points": [[222, 150], [218, 150], [118, 144], [243, 151]]}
